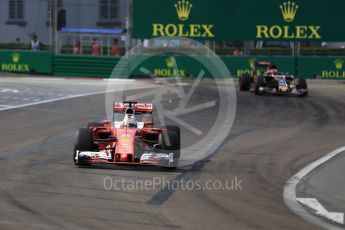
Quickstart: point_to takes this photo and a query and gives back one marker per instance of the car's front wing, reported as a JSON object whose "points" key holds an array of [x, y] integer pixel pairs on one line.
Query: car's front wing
{"points": [[147, 158]]}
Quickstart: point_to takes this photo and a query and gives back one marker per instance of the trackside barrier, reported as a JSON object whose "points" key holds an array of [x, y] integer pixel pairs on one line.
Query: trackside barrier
{"points": [[83, 66], [160, 65], [304, 67], [26, 62]]}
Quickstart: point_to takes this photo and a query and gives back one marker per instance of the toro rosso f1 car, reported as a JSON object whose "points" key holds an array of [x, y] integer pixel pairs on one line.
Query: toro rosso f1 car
{"points": [[127, 141], [270, 81]]}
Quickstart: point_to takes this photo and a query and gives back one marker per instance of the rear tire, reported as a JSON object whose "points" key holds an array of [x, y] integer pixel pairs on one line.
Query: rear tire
{"points": [[259, 82], [83, 142], [245, 82]]}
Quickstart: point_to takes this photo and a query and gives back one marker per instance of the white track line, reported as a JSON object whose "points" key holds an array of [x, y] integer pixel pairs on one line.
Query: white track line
{"points": [[6, 106], [52, 100], [290, 191], [70, 97]]}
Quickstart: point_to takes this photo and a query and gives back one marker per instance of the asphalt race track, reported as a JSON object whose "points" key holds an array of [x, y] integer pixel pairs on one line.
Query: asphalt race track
{"points": [[272, 139], [326, 185]]}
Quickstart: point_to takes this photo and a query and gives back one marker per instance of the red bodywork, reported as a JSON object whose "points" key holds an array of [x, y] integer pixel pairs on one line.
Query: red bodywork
{"points": [[123, 142]]}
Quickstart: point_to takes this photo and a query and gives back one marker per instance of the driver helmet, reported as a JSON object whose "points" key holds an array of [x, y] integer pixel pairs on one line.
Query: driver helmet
{"points": [[272, 68], [129, 120]]}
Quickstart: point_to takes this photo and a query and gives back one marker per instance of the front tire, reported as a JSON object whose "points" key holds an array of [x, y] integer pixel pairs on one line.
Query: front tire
{"points": [[259, 82], [83, 142], [302, 84], [170, 142], [170, 139]]}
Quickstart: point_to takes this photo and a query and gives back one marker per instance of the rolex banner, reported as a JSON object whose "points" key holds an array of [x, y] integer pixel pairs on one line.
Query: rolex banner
{"points": [[26, 62], [289, 20]]}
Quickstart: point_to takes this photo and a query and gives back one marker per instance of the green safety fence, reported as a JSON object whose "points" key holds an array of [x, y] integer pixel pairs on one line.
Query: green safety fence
{"points": [[323, 67], [304, 67], [161, 65], [83, 66]]}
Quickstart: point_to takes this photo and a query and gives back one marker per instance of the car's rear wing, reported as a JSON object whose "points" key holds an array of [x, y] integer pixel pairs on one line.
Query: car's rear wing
{"points": [[263, 64], [139, 108]]}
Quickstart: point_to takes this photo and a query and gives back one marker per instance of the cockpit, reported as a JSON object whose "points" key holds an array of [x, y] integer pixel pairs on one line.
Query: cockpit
{"points": [[129, 120]]}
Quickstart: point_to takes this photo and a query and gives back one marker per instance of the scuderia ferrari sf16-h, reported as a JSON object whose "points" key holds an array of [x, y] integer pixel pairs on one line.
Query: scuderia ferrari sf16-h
{"points": [[128, 141], [267, 80]]}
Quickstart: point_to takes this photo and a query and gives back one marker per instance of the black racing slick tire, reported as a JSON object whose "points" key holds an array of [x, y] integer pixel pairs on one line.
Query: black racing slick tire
{"points": [[83, 142], [302, 84], [175, 129], [170, 141], [245, 82], [259, 82]]}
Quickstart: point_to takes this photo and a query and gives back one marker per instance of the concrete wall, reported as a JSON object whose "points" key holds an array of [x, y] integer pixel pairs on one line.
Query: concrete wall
{"points": [[80, 13], [35, 16]]}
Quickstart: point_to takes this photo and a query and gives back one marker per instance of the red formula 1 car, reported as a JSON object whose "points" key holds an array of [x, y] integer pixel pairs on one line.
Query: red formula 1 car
{"points": [[128, 141]]}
